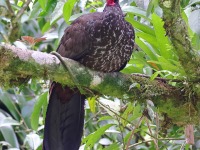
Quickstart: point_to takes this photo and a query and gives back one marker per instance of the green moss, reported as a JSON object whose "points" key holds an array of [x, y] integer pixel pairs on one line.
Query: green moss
{"points": [[83, 77], [11, 74], [181, 114], [80, 76], [107, 86]]}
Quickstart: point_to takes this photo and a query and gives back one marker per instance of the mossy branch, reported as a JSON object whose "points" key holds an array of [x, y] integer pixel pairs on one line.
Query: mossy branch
{"points": [[177, 31], [18, 65]]}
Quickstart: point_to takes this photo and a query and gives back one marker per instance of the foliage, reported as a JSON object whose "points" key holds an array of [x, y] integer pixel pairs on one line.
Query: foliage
{"points": [[112, 123]]}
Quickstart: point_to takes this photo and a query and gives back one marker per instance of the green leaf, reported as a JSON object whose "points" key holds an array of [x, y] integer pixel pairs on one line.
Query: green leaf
{"points": [[91, 139], [92, 103], [8, 122], [9, 136], [141, 26], [145, 48], [34, 84], [196, 41], [150, 39], [46, 27], [136, 113], [67, 9], [75, 16], [167, 65], [193, 2], [113, 146], [162, 40], [57, 13], [105, 118], [136, 11], [36, 111], [19, 3], [165, 74], [42, 3], [36, 11], [45, 105], [126, 138], [126, 113], [7, 130], [131, 113], [50, 6], [132, 69], [8, 102], [141, 57], [153, 76], [151, 6]]}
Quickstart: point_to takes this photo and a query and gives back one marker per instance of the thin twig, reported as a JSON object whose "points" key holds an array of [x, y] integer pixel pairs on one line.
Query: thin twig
{"points": [[19, 14], [23, 121], [9, 7], [157, 78], [121, 131], [182, 146], [161, 139], [166, 139], [137, 125], [4, 37], [139, 143], [96, 114], [154, 140], [115, 113], [129, 129], [157, 126], [125, 119]]}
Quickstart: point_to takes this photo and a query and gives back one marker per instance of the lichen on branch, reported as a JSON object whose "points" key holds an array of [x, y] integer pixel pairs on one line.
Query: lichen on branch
{"points": [[177, 31], [18, 65]]}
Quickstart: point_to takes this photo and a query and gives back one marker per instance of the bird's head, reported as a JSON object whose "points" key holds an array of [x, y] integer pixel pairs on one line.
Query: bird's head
{"points": [[111, 2]]}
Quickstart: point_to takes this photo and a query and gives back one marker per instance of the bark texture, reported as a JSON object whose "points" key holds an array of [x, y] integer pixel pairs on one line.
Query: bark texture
{"points": [[17, 66]]}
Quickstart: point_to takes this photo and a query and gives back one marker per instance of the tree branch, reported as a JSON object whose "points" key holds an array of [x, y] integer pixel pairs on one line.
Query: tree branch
{"points": [[18, 65], [9, 7], [177, 31], [19, 14]]}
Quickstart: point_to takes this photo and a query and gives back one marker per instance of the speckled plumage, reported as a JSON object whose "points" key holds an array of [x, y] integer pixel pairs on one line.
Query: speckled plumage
{"points": [[102, 41]]}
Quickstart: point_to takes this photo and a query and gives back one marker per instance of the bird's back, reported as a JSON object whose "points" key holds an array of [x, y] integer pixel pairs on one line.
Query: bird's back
{"points": [[102, 41]]}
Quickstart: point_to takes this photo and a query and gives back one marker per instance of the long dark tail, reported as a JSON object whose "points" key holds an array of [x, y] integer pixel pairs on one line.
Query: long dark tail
{"points": [[64, 119]]}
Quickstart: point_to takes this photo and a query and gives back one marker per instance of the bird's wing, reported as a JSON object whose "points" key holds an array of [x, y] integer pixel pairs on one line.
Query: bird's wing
{"points": [[76, 40]]}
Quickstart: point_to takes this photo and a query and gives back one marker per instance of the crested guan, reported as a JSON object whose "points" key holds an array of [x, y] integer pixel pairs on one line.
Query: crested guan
{"points": [[101, 41]]}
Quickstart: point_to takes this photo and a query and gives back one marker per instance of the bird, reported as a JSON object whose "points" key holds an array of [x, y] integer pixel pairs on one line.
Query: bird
{"points": [[101, 41]]}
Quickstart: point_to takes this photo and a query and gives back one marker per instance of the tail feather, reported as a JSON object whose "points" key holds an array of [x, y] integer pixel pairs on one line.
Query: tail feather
{"points": [[64, 119]]}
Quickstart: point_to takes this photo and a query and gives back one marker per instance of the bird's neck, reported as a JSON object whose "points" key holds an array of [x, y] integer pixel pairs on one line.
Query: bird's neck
{"points": [[113, 8]]}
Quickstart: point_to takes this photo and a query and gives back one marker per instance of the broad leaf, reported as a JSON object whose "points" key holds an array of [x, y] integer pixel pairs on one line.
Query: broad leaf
{"points": [[8, 122], [162, 40], [67, 9], [136, 11], [92, 104], [8, 102], [140, 26], [36, 111], [91, 139]]}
